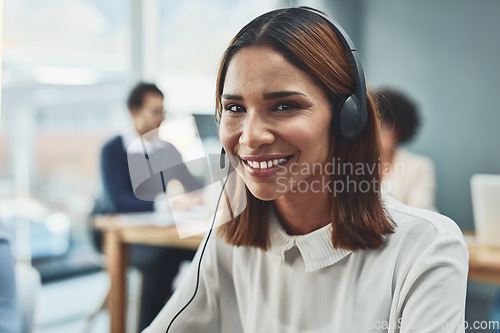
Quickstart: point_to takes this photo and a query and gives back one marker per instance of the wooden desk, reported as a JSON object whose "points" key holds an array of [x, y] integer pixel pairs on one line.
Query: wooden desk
{"points": [[120, 230], [484, 262]]}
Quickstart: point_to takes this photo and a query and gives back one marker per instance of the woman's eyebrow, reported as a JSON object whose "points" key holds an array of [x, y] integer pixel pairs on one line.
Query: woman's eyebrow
{"points": [[231, 97], [280, 94], [271, 95]]}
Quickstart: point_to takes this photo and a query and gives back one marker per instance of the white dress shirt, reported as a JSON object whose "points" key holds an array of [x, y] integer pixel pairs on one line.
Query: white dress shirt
{"points": [[415, 283]]}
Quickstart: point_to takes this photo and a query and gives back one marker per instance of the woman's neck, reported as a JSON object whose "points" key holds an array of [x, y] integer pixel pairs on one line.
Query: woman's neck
{"points": [[303, 212]]}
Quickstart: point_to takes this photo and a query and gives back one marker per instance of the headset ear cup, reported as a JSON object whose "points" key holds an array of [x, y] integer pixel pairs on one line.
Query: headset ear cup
{"points": [[337, 111], [351, 119]]}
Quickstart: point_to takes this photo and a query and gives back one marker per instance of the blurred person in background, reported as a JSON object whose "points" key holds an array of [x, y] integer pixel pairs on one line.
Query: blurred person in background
{"points": [[10, 316], [158, 265], [408, 177]]}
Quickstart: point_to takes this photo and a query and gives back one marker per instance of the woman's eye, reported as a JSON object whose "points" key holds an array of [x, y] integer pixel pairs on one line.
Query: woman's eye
{"points": [[234, 108], [285, 106]]}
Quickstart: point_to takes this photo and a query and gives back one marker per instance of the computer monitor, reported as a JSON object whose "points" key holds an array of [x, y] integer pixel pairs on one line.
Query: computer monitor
{"points": [[485, 190], [208, 131]]}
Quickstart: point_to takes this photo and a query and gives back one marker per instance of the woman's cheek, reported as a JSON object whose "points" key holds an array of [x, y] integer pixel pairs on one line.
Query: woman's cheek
{"points": [[228, 135]]}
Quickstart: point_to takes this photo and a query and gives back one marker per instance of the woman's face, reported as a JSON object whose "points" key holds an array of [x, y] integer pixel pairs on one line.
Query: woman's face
{"points": [[275, 122]]}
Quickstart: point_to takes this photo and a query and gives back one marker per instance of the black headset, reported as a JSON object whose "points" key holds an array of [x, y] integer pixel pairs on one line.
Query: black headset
{"points": [[350, 114]]}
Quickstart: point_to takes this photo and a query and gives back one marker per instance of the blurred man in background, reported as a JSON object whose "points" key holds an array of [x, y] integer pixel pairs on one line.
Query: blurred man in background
{"points": [[158, 265]]}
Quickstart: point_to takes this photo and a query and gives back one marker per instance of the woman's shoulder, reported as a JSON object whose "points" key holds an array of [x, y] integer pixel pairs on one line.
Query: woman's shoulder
{"points": [[421, 226], [426, 248]]}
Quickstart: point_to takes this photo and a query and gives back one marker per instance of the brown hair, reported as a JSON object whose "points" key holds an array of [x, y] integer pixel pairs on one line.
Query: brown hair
{"points": [[306, 39]]}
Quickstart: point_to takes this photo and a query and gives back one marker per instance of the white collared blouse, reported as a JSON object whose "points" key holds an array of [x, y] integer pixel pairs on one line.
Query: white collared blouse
{"points": [[415, 283]]}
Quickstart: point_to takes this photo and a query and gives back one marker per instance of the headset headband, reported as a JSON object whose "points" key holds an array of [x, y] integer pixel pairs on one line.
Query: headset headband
{"points": [[353, 112]]}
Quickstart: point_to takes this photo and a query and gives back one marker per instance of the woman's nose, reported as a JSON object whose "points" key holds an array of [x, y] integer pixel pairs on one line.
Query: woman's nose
{"points": [[256, 131]]}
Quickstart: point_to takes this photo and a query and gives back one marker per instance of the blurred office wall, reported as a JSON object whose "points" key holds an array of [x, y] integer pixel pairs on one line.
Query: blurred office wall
{"points": [[67, 69], [445, 55], [63, 80]]}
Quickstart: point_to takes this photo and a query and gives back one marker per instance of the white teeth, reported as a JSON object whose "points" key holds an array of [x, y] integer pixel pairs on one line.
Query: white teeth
{"points": [[264, 164]]}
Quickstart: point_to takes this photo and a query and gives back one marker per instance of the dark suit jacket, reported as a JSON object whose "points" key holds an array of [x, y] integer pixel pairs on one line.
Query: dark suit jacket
{"points": [[118, 195]]}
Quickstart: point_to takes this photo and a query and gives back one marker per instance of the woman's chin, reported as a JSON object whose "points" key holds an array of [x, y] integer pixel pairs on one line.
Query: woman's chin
{"points": [[265, 194]]}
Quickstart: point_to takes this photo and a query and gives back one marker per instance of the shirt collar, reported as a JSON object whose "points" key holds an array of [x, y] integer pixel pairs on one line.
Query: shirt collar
{"points": [[315, 248]]}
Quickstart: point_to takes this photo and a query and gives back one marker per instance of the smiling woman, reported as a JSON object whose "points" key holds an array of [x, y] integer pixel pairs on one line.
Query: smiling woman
{"points": [[318, 248], [279, 88]]}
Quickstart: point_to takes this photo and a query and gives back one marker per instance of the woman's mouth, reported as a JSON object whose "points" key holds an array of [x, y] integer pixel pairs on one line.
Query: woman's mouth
{"points": [[264, 166], [266, 163]]}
